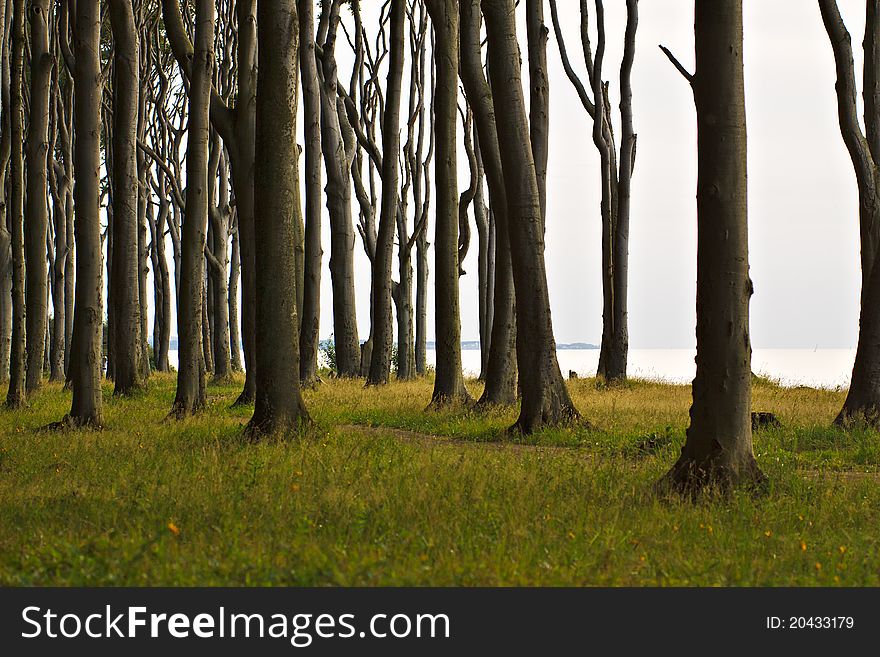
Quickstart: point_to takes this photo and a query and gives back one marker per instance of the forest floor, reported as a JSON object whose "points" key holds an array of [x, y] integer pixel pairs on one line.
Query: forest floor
{"points": [[380, 491]]}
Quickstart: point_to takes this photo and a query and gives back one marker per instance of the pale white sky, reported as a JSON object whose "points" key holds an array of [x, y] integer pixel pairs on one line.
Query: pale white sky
{"points": [[802, 192]]}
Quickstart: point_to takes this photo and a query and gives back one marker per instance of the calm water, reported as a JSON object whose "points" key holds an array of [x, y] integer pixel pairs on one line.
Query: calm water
{"points": [[825, 368]]}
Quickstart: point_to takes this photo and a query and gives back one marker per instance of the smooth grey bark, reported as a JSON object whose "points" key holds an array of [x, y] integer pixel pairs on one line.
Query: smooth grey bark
{"points": [[190, 396], [449, 381], [545, 399], [501, 366], [15, 396], [234, 277], [615, 176], [58, 256], [311, 93], [539, 95], [36, 209], [217, 254], [382, 332], [279, 406], [125, 264], [862, 404], [237, 129], [85, 344], [485, 260], [718, 449], [5, 214], [337, 150]]}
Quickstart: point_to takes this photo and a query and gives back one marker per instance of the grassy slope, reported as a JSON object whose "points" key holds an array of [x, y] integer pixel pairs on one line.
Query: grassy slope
{"points": [[421, 498]]}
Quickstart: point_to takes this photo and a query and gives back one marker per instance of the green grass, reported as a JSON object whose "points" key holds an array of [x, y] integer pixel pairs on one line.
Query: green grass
{"points": [[381, 491]]}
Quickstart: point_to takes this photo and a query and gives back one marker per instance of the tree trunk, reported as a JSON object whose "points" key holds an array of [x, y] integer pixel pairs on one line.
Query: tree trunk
{"points": [[539, 95], [311, 92], [862, 404], [718, 449], [382, 333], [15, 396], [337, 160], [125, 268], [449, 382], [501, 368], [545, 399], [190, 396], [5, 206], [86, 342], [36, 209], [279, 406], [234, 335]]}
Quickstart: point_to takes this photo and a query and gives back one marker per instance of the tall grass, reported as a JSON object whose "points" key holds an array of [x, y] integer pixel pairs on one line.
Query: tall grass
{"points": [[381, 491]]}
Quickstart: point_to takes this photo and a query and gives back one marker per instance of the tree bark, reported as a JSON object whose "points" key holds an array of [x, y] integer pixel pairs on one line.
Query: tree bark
{"points": [[85, 364], [311, 92], [125, 266], [862, 404], [539, 95], [545, 399], [190, 396], [234, 276], [501, 367], [15, 396], [337, 159], [36, 209], [449, 382], [718, 449], [279, 406], [5, 205], [383, 336]]}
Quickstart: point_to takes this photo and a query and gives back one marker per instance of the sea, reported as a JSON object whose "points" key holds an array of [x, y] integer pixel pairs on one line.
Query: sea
{"points": [[815, 368]]}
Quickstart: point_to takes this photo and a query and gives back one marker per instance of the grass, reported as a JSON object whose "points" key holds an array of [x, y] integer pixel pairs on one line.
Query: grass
{"points": [[382, 492]]}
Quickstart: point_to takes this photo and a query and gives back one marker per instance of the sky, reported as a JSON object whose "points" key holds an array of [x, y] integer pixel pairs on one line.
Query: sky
{"points": [[803, 220]]}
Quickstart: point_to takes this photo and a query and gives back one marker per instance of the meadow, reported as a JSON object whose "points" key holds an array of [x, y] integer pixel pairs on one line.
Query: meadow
{"points": [[381, 491]]}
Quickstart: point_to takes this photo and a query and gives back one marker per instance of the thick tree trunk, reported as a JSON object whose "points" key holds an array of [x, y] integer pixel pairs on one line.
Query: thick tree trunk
{"points": [[449, 382], [718, 449], [125, 268], [279, 406], [36, 208], [382, 333], [15, 396], [501, 368], [85, 365], [190, 396], [311, 92], [545, 399]]}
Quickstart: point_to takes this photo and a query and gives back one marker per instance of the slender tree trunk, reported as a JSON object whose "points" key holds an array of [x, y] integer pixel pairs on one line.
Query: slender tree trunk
{"points": [[36, 208], [162, 289], [545, 399], [190, 396], [5, 206], [85, 365], [862, 404], [383, 336], [311, 92], [449, 382], [15, 396], [539, 95], [718, 449], [279, 406], [484, 259], [125, 274], [422, 270], [234, 275], [501, 368]]}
